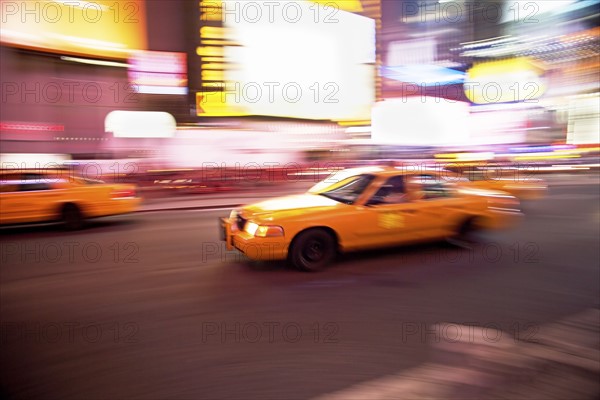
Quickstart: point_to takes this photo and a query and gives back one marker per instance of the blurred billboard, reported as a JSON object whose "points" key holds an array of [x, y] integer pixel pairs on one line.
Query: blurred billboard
{"points": [[102, 28], [158, 72], [297, 59]]}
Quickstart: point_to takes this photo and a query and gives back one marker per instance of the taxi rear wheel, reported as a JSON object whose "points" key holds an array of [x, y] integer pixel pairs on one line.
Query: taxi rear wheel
{"points": [[466, 235], [72, 217], [313, 250]]}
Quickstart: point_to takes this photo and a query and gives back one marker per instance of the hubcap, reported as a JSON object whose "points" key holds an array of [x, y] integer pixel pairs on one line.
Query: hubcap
{"points": [[314, 251]]}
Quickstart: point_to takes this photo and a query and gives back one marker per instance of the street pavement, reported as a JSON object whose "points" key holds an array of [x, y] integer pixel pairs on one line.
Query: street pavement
{"points": [[152, 306]]}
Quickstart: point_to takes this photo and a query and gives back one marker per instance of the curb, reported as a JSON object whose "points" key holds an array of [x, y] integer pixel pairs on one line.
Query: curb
{"points": [[213, 207]]}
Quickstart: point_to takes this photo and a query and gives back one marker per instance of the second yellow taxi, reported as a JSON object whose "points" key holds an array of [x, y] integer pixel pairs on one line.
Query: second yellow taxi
{"points": [[51, 195]]}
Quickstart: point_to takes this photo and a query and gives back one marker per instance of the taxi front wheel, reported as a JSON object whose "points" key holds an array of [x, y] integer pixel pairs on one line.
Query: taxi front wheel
{"points": [[312, 250], [72, 217]]}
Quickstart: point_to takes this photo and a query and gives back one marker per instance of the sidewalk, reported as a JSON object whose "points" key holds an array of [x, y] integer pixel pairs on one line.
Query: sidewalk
{"points": [[229, 199], [589, 178], [557, 361]]}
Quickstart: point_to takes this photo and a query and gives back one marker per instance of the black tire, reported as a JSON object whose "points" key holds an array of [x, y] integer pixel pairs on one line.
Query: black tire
{"points": [[466, 235], [313, 250], [71, 217]]}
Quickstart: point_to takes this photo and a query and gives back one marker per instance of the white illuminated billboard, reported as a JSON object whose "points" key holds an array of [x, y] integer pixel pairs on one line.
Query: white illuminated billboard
{"points": [[140, 124], [421, 121], [296, 59]]}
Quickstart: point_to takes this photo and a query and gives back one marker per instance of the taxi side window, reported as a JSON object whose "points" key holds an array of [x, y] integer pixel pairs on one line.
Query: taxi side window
{"points": [[8, 186], [33, 182], [31, 186], [9, 183], [392, 191], [434, 187]]}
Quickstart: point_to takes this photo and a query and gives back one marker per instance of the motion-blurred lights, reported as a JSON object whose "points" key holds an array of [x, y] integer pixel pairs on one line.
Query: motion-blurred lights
{"points": [[148, 89], [358, 129], [423, 74], [94, 62], [140, 124], [461, 157]]}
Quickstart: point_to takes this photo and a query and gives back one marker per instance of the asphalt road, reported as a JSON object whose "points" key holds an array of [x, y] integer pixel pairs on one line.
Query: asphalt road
{"points": [[152, 307]]}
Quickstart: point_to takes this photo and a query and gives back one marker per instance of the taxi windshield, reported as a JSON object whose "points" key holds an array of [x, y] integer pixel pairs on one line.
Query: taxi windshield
{"points": [[87, 181], [334, 180], [349, 189]]}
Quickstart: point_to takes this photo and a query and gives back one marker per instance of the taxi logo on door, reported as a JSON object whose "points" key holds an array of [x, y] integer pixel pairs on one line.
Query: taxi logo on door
{"points": [[391, 220]]}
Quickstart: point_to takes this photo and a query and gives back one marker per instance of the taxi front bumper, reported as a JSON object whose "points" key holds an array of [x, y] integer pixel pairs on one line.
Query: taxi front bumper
{"points": [[255, 248]]}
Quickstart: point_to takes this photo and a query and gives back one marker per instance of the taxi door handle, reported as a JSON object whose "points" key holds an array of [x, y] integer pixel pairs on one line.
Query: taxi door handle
{"points": [[409, 211]]}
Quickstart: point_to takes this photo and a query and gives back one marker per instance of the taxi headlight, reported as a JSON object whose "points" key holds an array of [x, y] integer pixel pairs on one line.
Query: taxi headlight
{"points": [[251, 228], [269, 231], [233, 214], [263, 230]]}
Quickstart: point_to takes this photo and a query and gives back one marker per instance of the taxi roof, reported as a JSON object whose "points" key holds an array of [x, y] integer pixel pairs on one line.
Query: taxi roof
{"points": [[387, 170]]}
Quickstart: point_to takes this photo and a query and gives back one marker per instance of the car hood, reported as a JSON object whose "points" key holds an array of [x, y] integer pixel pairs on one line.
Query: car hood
{"points": [[289, 205]]}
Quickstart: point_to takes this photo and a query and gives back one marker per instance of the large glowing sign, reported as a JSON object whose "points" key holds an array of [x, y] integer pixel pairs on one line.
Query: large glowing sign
{"points": [[294, 59], [504, 81], [420, 121], [105, 28]]}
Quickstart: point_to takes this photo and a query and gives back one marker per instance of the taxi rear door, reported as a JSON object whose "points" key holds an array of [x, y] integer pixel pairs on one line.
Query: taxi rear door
{"points": [[438, 209]]}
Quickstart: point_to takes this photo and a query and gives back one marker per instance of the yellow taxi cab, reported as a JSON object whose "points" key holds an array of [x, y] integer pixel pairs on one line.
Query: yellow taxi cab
{"points": [[363, 208], [33, 196]]}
